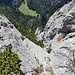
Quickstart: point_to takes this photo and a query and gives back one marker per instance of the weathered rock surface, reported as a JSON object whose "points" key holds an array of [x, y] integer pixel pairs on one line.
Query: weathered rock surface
{"points": [[54, 23], [63, 47], [63, 56], [63, 53], [60, 34], [33, 57], [37, 33]]}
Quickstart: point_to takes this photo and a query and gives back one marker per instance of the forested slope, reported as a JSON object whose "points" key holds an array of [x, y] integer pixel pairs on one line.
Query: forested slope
{"points": [[46, 7], [12, 3]]}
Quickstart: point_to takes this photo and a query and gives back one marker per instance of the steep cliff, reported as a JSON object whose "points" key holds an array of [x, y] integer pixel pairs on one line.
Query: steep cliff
{"points": [[63, 53], [54, 24], [59, 34]]}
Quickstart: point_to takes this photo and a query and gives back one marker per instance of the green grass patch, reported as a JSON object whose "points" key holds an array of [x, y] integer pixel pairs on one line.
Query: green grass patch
{"points": [[26, 11]]}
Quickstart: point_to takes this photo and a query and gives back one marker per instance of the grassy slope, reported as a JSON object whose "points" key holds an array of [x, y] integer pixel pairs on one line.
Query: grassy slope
{"points": [[25, 10]]}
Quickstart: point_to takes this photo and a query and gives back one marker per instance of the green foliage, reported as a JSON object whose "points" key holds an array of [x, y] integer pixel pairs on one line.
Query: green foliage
{"points": [[58, 9], [16, 3], [19, 20], [11, 3], [9, 62], [30, 36], [49, 50], [6, 2], [46, 7], [49, 69], [37, 71], [9, 47]]}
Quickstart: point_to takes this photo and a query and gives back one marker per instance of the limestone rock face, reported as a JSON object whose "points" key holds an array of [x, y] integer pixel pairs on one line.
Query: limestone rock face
{"points": [[54, 23], [63, 53], [60, 34], [63, 47], [33, 57], [37, 33], [63, 56]]}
